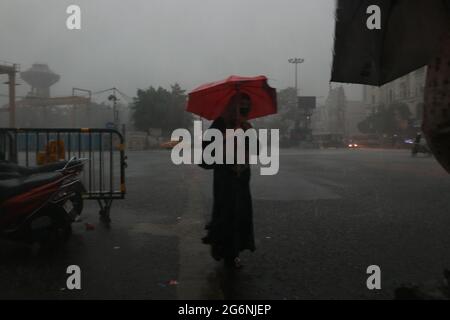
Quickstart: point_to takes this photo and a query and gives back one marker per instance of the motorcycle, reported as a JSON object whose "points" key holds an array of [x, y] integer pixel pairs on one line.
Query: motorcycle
{"points": [[35, 203]]}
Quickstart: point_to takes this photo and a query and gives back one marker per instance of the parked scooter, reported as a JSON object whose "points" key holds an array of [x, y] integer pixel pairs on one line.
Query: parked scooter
{"points": [[9, 170], [37, 207]]}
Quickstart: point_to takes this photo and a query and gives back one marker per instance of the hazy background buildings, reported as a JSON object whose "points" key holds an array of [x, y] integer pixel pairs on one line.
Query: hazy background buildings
{"points": [[141, 44]]}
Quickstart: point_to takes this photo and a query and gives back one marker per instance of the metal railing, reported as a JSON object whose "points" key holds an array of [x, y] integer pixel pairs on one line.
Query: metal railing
{"points": [[104, 170]]}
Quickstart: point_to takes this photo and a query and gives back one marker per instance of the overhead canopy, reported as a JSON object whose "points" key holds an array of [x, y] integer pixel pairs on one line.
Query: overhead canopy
{"points": [[409, 36]]}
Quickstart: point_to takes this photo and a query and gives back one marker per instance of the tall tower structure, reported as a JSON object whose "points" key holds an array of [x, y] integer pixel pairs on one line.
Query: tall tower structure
{"points": [[40, 78]]}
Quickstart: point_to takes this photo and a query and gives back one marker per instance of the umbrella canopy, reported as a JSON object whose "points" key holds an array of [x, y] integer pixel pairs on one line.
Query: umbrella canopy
{"points": [[211, 99], [409, 36]]}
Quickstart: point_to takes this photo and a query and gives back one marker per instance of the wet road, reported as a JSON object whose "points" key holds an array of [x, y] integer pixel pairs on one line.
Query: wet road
{"points": [[319, 223]]}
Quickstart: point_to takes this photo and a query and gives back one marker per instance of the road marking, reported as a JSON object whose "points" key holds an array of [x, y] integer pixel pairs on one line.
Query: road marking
{"points": [[197, 278]]}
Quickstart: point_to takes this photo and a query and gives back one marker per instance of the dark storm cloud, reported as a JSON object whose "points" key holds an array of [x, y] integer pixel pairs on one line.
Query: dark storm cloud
{"points": [[135, 43]]}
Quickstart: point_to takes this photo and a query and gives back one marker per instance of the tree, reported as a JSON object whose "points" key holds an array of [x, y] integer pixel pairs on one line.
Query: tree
{"points": [[287, 100], [287, 112], [391, 120], [160, 108]]}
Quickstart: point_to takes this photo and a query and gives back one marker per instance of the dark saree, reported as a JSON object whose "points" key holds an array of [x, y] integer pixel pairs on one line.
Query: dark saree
{"points": [[231, 228]]}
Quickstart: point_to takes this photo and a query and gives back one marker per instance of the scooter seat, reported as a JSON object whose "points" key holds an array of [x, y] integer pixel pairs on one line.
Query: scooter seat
{"points": [[12, 187], [12, 167]]}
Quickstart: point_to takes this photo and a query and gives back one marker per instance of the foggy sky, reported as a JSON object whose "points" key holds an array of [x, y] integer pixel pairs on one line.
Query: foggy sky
{"points": [[137, 43]]}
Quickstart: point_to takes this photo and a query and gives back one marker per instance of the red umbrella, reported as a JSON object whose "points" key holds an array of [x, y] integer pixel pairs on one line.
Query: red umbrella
{"points": [[210, 100]]}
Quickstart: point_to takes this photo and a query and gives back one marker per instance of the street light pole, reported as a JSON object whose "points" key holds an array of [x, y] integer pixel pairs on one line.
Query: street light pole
{"points": [[12, 99], [11, 71], [296, 62], [114, 99]]}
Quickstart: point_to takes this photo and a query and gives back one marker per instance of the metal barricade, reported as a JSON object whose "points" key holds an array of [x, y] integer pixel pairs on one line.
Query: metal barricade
{"points": [[7, 150], [104, 170]]}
